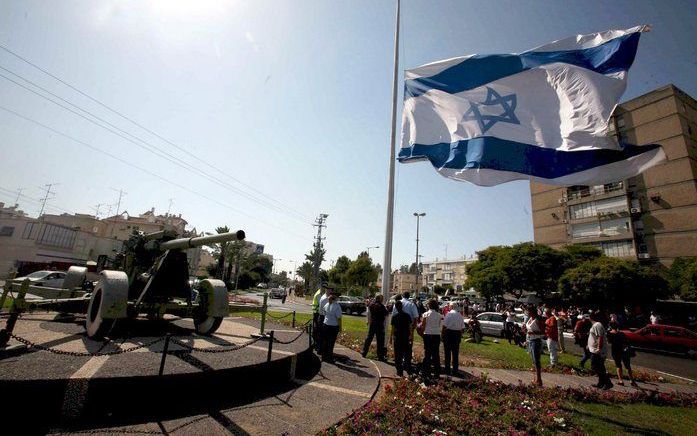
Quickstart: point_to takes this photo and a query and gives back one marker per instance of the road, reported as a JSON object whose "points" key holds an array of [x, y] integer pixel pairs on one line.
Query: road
{"points": [[299, 305]]}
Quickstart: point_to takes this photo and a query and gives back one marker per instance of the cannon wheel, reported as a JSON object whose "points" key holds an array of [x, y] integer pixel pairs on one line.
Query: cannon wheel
{"points": [[213, 305], [207, 325], [108, 299]]}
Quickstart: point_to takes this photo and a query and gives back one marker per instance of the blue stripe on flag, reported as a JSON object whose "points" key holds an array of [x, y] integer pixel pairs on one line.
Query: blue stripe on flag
{"points": [[613, 56], [488, 152]]}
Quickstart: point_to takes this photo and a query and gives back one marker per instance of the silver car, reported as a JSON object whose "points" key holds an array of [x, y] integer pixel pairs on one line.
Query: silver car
{"points": [[494, 323], [50, 279]]}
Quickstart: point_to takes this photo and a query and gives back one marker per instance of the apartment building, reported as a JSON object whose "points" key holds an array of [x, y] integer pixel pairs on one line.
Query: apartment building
{"points": [[403, 282], [651, 217], [445, 272]]}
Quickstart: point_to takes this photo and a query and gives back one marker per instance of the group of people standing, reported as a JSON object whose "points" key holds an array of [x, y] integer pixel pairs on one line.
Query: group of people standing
{"points": [[429, 323], [590, 334]]}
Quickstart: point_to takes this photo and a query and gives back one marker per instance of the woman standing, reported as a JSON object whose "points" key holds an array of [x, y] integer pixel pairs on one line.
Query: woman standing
{"points": [[534, 329], [430, 324]]}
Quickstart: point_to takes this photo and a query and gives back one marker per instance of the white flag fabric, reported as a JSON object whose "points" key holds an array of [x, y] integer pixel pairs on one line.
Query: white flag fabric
{"points": [[542, 114]]}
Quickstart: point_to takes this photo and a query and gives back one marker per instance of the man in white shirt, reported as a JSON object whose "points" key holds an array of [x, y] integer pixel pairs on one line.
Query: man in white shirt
{"points": [[431, 323], [453, 325], [322, 302], [331, 327], [597, 345]]}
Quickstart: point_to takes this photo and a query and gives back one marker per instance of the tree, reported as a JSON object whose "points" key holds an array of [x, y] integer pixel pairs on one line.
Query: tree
{"points": [[305, 273], [522, 268], [612, 283], [682, 278], [411, 269], [336, 274], [361, 272], [579, 253], [221, 252]]}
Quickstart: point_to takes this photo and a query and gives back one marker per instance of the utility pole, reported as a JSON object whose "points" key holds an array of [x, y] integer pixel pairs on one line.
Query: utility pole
{"points": [[96, 209], [46, 188], [19, 194], [171, 200], [319, 223], [121, 194]]}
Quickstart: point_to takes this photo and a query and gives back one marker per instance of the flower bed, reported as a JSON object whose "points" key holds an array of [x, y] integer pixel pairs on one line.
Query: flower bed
{"points": [[483, 407]]}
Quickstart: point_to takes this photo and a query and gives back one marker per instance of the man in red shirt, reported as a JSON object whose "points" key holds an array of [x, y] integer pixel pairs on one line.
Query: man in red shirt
{"points": [[552, 333]]}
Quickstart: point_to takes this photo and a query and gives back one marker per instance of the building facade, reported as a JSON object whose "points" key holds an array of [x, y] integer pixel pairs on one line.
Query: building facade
{"points": [[403, 282], [58, 241], [651, 217], [445, 273]]}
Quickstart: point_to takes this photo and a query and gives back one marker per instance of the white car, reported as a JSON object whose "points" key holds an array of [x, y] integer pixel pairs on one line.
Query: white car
{"points": [[50, 279], [493, 323], [277, 293]]}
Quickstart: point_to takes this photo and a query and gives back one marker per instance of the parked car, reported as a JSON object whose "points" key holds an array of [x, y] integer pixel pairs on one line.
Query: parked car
{"points": [[663, 337], [493, 323], [351, 305], [50, 279], [277, 293]]}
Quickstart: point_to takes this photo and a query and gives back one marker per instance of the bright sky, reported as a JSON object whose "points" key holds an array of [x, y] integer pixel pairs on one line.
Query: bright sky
{"points": [[292, 98]]}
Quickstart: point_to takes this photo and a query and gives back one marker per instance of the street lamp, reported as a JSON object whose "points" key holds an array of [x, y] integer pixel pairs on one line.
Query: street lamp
{"points": [[418, 270], [368, 249]]}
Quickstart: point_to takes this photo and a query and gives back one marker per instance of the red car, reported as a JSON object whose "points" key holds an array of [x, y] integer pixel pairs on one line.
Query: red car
{"points": [[663, 337]]}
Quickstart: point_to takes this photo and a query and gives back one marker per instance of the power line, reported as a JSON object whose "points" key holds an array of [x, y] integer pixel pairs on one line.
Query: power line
{"points": [[162, 138], [141, 143], [46, 188], [125, 162], [9, 192]]}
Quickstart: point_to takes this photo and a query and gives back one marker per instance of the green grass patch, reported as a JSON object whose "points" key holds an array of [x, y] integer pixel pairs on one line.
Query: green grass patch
{"points": [[625, 419]]}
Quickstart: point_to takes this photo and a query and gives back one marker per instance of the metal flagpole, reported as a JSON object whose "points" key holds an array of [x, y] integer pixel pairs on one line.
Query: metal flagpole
{"points": [[387, 262]]}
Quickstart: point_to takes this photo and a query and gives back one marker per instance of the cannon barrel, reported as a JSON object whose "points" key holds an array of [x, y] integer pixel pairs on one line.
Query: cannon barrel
{"points": [[184, 243]]}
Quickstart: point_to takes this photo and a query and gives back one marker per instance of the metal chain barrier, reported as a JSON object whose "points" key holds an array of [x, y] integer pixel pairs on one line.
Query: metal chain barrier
{"points": [[279, 317], [291, 341], [31, 344], [222, 349]]}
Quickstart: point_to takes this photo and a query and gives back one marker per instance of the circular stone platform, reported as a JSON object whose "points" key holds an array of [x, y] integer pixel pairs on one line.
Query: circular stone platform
{"points": [[65, 389]]}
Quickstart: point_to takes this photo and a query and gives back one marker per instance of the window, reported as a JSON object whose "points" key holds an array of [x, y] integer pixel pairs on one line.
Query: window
{"points": [[673, 333], [57, 236], [6, 230], [30, 230]]}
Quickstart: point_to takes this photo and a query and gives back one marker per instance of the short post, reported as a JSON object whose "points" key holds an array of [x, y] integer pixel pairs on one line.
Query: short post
{"points": [[7, 289], [293, 319], [164, 353], [264, 308], [268, 356], [17, 307]]}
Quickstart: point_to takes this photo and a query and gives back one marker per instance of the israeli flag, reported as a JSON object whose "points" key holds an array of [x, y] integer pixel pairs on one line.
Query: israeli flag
{"points": [[542, 114]]}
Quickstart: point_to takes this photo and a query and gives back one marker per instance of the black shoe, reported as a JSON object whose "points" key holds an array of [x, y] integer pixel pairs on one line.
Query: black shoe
{"points": [[608, 386], [598, 386]]}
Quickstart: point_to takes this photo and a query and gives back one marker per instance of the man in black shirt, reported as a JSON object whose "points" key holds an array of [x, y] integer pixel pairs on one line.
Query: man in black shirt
{"points": [[376, 327], [401, 334]]}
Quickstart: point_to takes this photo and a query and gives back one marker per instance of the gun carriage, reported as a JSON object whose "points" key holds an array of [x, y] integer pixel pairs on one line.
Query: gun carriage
{"points": [[151, 277]]}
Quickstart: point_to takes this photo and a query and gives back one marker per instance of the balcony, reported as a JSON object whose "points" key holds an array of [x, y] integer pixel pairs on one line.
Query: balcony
{"points": [[592, 193]]}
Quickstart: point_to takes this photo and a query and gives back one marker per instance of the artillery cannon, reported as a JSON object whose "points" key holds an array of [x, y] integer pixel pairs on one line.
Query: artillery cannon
{"points": [[153, 278]]}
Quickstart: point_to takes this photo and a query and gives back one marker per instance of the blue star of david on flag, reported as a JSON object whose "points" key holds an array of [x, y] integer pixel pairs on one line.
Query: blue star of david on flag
{"points": [[486, 121]]}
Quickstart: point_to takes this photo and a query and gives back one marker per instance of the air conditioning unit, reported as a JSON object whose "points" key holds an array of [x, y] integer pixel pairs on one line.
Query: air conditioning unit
{"points": [[635, 210], [563, 200], [643, 256]]}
